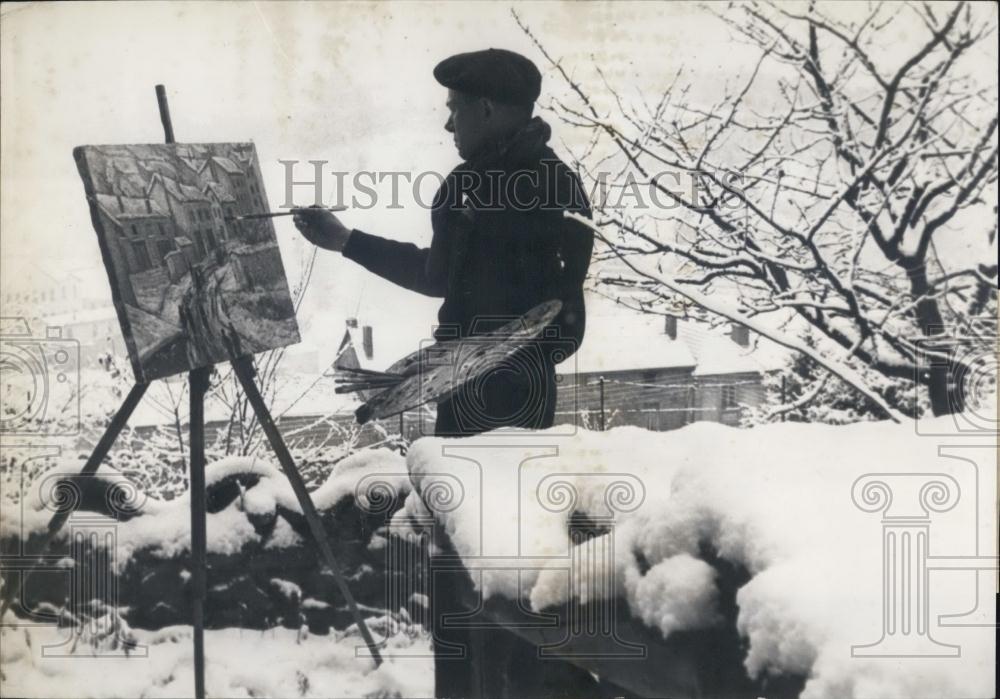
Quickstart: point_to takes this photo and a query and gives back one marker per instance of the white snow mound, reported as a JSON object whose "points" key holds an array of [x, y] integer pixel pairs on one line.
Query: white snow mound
{"points": [[786, 501]]}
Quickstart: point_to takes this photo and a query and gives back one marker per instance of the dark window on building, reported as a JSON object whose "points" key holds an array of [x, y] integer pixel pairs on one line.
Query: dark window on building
{"points": [[142, 260], [728, 397], [651, 415], [163, 230], [135, 231]]}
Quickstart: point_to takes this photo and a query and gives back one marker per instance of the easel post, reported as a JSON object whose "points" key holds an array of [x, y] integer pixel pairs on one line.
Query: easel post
{"points": [[198, 380], [243, 366]]}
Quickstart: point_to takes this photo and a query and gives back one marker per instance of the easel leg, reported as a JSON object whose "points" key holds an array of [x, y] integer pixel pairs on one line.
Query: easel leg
{"points": [[198, 386], [245, 372], [104, 445]]}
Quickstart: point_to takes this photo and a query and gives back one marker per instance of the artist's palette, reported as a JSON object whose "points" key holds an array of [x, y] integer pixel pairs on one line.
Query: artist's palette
{"points": [[434, 372]]}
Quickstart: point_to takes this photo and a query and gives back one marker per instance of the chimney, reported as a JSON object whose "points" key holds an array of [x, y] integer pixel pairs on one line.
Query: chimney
{"points": [[670, 326], [366, 341], [740, 334]]}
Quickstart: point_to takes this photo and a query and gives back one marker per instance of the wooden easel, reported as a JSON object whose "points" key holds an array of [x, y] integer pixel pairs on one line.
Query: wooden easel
{"points": [[198, 380]]}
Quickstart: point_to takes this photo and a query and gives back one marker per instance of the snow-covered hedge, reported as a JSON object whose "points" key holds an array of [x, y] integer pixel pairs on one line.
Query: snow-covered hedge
{"points": [[264, 569], [777, 500]]}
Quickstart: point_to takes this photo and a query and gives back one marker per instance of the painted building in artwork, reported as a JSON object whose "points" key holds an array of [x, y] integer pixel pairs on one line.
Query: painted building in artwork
{"points": [[141, 235], [191, 209]]}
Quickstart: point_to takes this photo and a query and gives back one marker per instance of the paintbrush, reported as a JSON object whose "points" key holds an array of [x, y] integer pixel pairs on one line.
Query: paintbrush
{"points": [[368, 372], [273, 214], [355, 387]]}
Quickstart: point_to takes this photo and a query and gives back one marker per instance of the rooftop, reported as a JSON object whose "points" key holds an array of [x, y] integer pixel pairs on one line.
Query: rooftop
{"points": [[178, 190], [227, 165], [620, 339], [121, 207]]}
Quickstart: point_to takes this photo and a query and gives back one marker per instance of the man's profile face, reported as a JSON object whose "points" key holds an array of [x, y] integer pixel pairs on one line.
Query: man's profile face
{"points": [[467, 120]]}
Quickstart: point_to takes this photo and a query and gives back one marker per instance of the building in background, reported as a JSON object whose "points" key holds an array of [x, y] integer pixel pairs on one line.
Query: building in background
{"points": [[661, 372]]}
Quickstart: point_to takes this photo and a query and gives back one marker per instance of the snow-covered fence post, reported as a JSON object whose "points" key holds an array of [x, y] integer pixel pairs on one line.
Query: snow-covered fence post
{"points": [[905, 501]]}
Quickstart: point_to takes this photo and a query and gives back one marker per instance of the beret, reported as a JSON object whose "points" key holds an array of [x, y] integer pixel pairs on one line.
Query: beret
{"points": [[495, 73]]}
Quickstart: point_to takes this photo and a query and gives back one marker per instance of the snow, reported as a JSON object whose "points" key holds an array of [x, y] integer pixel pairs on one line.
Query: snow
{"points": [[775, 499], [164, 527], [620, 339], [677, 594], [276, 663], [287, 588], [283, 536], [369, 467]]}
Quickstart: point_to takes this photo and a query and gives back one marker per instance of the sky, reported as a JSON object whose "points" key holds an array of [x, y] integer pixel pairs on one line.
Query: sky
{"points": [[346, 83]]}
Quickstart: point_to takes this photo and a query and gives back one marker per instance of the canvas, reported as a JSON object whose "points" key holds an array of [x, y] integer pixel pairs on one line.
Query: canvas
{"points": [[193, 282]]}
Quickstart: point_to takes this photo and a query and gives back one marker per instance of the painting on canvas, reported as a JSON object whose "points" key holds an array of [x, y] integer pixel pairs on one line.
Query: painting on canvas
{"points": [[194, 281]]}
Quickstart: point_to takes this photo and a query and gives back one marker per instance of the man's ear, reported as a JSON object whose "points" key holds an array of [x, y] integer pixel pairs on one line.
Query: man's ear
{"points": [[488, 107]]}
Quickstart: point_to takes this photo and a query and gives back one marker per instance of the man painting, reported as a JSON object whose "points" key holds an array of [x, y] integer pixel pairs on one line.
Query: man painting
{"points": [[501, 245]]}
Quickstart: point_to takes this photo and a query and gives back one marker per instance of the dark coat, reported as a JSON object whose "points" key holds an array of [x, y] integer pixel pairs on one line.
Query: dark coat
{"points": [[500, 245]]}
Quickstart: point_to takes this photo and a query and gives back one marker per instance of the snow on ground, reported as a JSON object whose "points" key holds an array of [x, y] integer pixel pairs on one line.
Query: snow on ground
{"points": [[279, 662], [275, 663], [776, 499]]}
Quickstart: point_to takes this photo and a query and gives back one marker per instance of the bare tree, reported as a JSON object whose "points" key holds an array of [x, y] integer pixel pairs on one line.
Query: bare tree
{"points": [[827, 187]]}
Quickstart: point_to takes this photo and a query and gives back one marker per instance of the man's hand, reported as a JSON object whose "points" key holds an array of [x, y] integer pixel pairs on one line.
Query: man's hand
{"points": [[321, 228]]}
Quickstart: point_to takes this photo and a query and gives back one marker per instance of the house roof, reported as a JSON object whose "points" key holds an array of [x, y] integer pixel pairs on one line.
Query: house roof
{"points": [[620, 339], [227, 165], [221, 193], [178, 190], [195, 164], [122, 207], [389, 344], [627, 341]]}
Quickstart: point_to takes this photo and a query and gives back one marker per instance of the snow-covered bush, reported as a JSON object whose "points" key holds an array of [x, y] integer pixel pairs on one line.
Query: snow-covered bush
{"points": [[777, 501]]}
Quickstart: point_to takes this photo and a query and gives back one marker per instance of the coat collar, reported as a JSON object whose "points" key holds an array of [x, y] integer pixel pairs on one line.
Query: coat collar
{"points": [[522, 146]]}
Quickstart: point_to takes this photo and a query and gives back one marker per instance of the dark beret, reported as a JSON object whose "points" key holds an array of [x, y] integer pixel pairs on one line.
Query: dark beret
{"points": [[495, 73]]}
